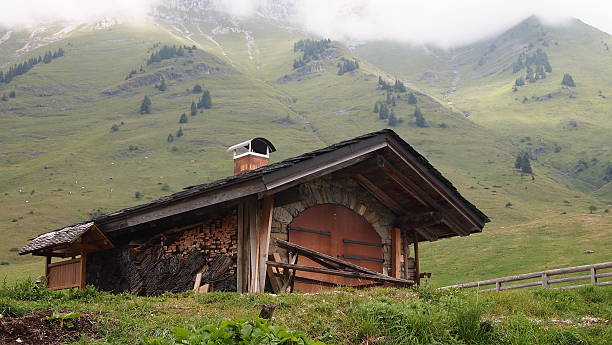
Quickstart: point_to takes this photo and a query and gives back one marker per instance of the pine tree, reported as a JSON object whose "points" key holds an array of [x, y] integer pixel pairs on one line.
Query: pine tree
{"points": [[197, 88], [522, 163], [12, 94], [183, 118], [568, 80], [194, 108], [179, 133], [376, 107], [383, 111], [412, 98], [162, 86], [145, 106], [170, 138], [393, 121], [419, 118], [519, 81], [205, 101]]}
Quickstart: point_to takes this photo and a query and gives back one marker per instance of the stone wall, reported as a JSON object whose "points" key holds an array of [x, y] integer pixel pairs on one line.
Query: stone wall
{"points": [[345, 192]]}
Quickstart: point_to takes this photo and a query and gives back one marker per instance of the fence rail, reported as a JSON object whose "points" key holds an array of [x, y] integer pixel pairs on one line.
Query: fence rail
{"points": [[545, 280]]}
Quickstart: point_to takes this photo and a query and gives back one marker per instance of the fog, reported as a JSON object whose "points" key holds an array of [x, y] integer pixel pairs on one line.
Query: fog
{"points": [[442, 22]]}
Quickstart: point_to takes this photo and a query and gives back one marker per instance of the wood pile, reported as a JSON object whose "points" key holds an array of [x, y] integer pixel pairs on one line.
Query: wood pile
{"points": [[211, 238]]}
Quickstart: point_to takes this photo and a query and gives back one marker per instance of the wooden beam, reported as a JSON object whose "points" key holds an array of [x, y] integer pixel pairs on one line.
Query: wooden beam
{"points": [[396, 253], [418, 220], [379, 194], [264, 226], [185, 204], [350, 274], [431, 237], [432, 181], [416, 259], [309, 253], [423, 197], [241, 272]]}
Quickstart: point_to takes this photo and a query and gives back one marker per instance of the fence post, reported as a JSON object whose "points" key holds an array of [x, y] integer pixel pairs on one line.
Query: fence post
{"points": [[593, 276], [544, 280], [497, 286]]}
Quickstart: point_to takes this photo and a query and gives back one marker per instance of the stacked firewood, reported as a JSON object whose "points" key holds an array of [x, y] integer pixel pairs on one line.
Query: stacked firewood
{"points": [[211, 238]]}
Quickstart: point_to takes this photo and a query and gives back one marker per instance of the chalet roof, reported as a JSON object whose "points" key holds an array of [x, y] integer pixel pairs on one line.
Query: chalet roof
{"points": [[58, 237], [269, 174]]}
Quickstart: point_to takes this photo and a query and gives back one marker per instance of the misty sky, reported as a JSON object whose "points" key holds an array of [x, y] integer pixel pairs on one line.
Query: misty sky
{"points": [[444, 22]]}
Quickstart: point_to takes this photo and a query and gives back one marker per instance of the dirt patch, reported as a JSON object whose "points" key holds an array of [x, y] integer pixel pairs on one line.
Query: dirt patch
{"points": [[34, 329]]}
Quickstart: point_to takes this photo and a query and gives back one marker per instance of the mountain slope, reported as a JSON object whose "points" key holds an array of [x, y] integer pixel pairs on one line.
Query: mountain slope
{"points": [[566, 129], [61, 162]]}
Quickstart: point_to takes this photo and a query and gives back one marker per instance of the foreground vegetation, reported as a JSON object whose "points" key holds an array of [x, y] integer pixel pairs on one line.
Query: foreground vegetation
{"points": [[344, 316]]}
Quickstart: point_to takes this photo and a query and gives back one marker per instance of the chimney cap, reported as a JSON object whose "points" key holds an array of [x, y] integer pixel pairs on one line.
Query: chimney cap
{"points": [[262, 146]]}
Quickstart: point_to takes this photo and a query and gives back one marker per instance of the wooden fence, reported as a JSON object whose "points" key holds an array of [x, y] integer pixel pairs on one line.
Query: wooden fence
{"points": [[64, 274], [544, 279]]}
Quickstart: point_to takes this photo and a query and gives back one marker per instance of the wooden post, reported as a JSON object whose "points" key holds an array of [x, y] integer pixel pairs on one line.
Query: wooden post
{"points": [[594, 275], [264, 226], [417, 279], [47, 263], [544, 280], [83, 269], [396, 253], [251, 208], [498, 286], [406, 255]]}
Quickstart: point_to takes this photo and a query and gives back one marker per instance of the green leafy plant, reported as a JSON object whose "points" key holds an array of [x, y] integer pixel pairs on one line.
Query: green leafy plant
{"points": [[239, 332], [63, 319]]}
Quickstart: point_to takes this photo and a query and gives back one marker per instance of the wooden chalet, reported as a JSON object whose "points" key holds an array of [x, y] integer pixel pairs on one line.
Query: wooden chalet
{"points": [[351, 214]]}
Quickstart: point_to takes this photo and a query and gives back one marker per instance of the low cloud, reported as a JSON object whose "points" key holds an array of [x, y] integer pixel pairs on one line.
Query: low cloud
{"points": [[442, 22]]}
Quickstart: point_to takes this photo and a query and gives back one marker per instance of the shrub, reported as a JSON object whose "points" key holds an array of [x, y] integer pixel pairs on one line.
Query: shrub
{"points": [[25, 290], [239, 332], [114, 127], [138, 195]]}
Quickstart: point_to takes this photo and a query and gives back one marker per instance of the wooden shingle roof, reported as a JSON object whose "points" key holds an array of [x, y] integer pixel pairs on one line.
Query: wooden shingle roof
{"points": [[55, 238]]}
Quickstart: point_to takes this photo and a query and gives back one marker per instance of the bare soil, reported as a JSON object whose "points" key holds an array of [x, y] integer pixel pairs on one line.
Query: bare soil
{"points": [[34, 329]]}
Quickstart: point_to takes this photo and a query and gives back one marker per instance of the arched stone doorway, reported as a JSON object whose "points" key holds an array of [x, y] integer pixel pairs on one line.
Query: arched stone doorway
{"points": [[337, 231]]}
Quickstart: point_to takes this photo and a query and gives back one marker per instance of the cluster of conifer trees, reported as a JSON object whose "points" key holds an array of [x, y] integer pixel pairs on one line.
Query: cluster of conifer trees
{"points": [[168, 52], [397, 87], [522, 163], [346, 65], [385, 111], [205, 102], [536, 66], [311, 50], [25, 66]]}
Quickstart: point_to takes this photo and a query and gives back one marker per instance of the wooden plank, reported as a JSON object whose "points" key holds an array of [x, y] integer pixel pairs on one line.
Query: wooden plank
{"points": [[47, 263], [198, 282], [264, 226], [396, 253], [349, 274], [83, 268], [309, 253], [241, 272], [274, 281], [251, 209]]}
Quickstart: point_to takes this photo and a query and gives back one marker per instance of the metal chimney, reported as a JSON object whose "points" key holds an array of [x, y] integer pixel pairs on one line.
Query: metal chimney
{"points": [[251, 154]]}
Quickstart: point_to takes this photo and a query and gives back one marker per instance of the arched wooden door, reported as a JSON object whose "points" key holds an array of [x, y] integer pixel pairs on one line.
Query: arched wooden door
{"points": [[339, 232]]}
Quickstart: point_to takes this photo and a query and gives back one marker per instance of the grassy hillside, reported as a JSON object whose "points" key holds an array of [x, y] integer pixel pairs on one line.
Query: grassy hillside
{"points": [[61, 162], [565, 129], [376, 316]]}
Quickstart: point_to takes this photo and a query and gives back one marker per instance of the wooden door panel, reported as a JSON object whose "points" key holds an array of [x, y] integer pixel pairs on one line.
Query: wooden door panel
{"points": [[339, 232]]}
